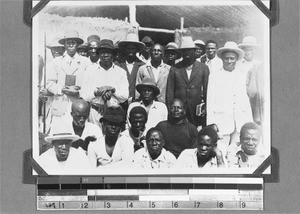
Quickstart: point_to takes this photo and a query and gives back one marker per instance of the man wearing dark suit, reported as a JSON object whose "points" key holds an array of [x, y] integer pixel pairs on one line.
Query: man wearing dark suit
{"points": [[131, 46], [188, 81]]}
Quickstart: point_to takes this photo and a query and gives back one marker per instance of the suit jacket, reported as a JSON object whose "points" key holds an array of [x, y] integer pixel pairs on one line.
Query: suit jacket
{"points": [[190, 91], [131, 76], [146, 71]]}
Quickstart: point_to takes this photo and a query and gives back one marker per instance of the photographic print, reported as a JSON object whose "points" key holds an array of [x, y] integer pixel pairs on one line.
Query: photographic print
{"points": [[175, 88]]}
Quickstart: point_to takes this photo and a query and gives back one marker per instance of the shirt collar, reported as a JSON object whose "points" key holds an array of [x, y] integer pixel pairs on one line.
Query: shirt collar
{"points": [[153, 105]]}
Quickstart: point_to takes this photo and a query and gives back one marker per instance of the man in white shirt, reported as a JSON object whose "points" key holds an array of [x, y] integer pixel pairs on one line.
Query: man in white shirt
{"points": [[157, 111], [228, 105], [111, 148], [62, 158], [205, 155], [157, 70], [105, 84], [154, 156]]}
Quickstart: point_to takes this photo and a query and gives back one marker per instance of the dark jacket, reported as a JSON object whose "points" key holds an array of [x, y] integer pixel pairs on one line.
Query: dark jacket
{"points": [[190, 91]]}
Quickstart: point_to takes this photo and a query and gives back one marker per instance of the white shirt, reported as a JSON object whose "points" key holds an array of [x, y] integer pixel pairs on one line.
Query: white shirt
{"points": [[188, 159], [143, 159], [214, 64], [156, 71], [96, 76], [157, 112], [189, 71], [76, 163], [98, 156], [129, 66]]}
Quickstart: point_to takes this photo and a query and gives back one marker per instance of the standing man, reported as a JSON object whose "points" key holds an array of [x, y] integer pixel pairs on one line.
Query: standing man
{"points": [[187, 81], [144, 55], [157, 70], [105, 84], [65, 75], [200, 51], [156, 111], [228, 105], [83, 50], [209, 58], [93, 45], [131, 46], [171, 53], [178, 132]]}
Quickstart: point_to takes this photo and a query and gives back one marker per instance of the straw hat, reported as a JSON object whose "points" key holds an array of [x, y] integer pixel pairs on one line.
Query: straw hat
{"points": [[71, 34], [131, 38], [54, 43], [171, 46], [149, 82], [249, 41], [199, 43], [187, 43], [232, 47], [62, 132]]}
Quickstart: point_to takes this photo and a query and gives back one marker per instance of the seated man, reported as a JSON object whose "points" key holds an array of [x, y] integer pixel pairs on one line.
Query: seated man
{"points": [[87, 131], [62, 158], [157, 111], [178, 132], [110, 148], [135, 133], [249, 152], [206, 155], [154, 156]]}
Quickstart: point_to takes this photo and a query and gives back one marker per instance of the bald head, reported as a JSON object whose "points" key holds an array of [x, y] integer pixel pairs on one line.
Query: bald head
{"points": [[80, 112]]}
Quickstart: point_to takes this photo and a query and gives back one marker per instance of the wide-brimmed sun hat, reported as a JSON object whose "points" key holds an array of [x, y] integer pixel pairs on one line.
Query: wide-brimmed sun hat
{"points": [[131, 39], [148, 82], [187, 43], [249, 41], [231, 47], [71, 35], [62, 132]]}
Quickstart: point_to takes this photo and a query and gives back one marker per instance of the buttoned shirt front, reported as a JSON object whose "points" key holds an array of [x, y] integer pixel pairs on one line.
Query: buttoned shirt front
{"points": [[157, 112], [143, 159]]}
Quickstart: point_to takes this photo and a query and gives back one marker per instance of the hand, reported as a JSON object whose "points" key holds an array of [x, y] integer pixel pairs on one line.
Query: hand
{"points": [[219, 156], [71, 90], [203, 111], [107, 95]]}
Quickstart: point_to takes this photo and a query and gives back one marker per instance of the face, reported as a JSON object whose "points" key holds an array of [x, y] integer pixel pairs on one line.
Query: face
{"points": [[171, 55], [155, 143], [198, 52], [249, 53], [188, 54], [157, 52], [147, 94], [62, 149], [106, 55], [229, 60], [205, 146], [148, 46], [249, 140], [71, 46], [82, 52], [131, 50], [112, 129], [92, 48], [211, 49], [57, 51], [79, 117], [137, 122], [177, 110]]}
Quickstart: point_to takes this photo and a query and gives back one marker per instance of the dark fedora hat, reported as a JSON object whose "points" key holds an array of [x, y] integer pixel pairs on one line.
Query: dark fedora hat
{"points": [[149, 82], [107, 44], [115, 115]]}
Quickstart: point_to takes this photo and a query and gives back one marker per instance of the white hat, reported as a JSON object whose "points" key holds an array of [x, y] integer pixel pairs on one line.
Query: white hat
{"points": [[199, 42], [187, 43], [131, 38], [249, 41], [232, 47], [62, 132]]}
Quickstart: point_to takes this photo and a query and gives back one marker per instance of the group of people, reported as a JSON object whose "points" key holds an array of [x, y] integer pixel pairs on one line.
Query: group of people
{"points": [[142, 105]]}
